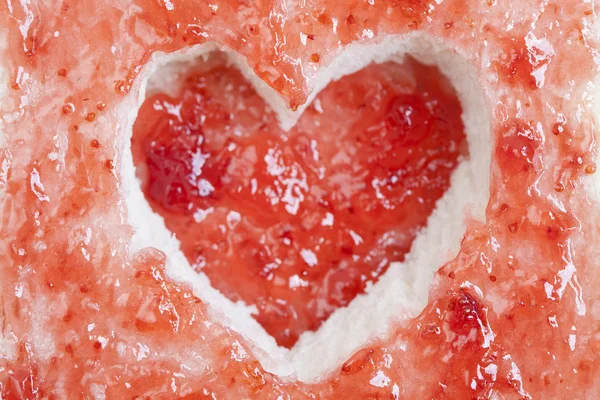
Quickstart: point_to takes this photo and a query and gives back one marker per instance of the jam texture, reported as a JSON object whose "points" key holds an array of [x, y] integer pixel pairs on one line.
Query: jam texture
{"points": [[514, 315]]}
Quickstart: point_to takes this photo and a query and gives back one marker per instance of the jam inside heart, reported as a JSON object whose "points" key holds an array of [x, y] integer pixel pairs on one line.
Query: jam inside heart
{"points": [[298, 223]]}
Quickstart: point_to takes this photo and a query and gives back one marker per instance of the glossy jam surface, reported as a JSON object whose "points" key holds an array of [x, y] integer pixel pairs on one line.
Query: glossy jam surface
{"points": [[514, 315], [298, 223]]}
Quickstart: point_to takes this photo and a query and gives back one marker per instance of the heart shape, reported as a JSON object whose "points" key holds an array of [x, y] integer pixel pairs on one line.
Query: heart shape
{"points": [[301, 141], [298, 223]]}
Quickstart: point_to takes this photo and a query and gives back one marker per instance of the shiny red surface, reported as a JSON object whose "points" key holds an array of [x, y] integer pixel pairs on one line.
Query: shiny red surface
{"points": [[298, 223], [514, 315]]}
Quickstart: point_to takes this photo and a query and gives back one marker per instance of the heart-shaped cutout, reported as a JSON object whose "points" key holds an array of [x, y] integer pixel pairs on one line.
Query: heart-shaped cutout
{"points": [[298, 223], [403, 291]]}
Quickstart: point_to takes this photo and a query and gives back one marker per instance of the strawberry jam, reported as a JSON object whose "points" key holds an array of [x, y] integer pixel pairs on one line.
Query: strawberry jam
{"points": [[299, 223], [515, 315]]}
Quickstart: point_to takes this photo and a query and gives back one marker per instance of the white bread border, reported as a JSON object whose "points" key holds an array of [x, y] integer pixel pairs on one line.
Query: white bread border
{"points": [[402, 292]]}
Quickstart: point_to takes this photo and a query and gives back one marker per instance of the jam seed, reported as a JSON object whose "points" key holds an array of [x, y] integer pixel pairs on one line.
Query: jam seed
{"points": [[68, 108], [590, 168]]}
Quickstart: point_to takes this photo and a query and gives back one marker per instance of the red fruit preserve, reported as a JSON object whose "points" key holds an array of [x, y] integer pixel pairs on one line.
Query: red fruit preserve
{"points": [[298, 223]]}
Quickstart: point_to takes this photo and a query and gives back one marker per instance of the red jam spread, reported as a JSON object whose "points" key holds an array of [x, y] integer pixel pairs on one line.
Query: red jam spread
{"points": [[516, 313], [298, 223]]}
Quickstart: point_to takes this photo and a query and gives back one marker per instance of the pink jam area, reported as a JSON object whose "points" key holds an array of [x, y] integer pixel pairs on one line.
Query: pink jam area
{"points": [[514, 315], [298, 223]]}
